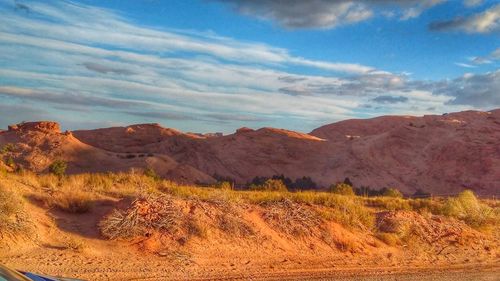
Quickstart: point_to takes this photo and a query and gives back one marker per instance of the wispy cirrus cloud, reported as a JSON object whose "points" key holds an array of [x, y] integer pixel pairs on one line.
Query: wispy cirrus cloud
{"points": [[63, 56]]}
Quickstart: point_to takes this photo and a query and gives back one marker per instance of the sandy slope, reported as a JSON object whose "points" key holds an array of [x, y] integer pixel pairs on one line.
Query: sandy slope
{"points": [[70, 244]]}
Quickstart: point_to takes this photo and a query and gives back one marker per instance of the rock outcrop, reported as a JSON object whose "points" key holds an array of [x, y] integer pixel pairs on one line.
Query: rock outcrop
{"points": [[442, 154]]}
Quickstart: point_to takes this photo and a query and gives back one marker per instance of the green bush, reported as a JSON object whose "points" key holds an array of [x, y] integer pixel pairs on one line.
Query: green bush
{"points": [[342, 189], [392, 192], [9, 161], [224, 185], [270, 185], [149, 172], [468, 208], [58, 168]]}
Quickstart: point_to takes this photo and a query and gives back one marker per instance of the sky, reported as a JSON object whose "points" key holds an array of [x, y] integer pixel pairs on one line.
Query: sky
{"points": [[217, 65]]}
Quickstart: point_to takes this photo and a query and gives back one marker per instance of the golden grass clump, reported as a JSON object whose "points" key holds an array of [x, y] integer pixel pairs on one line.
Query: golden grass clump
{"points": [[71, 201], [469, 209]]}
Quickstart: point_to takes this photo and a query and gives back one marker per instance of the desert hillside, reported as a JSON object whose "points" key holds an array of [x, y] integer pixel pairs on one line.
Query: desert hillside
{"points": [[130, 226], [441, 154]]}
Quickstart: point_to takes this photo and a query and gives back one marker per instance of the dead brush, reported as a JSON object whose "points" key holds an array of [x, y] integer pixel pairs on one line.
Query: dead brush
{"points": [[145, 215], [233, 224], [229, 219], [290, 218]]}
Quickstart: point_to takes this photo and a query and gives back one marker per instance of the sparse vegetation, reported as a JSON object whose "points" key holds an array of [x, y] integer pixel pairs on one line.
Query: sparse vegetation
{"points": [[467, 207], [58, 168], [71, 201], [342, 189], [9, 161], [224, 185], [13, 218], [392, 192], [270, 185], [150, 172]]}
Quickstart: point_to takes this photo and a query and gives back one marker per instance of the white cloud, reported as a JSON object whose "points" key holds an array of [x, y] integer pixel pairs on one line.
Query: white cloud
{"points": [[487, 21], [324, 14], [66, 57]]}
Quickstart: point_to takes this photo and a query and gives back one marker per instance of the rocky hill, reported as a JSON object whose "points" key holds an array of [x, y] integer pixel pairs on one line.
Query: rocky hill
{"points": [[442, 154]]}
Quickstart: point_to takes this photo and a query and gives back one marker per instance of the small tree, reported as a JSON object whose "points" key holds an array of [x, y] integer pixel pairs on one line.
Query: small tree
{"points": [[304, 183], [342, 189], [58, 168], [392, 192], [9, 161], [224, 185], [348, 182], [270, 185]]}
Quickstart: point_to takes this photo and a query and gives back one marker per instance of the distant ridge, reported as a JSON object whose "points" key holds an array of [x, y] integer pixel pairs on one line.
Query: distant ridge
{"points": [[437, 153]]}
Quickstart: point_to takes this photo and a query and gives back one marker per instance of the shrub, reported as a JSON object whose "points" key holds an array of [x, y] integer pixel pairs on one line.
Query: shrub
{"points": [[392, 192], [270, 185], [9, 161], [342, 189], [150, 172], [58, 168], [7, 148], [224, 185], [304, 183], [467, 207]]}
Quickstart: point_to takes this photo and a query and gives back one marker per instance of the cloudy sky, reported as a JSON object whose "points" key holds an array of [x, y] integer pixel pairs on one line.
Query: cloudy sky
{"points": [[216, 65]]}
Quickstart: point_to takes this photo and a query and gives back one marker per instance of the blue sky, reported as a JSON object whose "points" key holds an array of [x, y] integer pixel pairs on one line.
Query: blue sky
{"points": [[217, 65]]}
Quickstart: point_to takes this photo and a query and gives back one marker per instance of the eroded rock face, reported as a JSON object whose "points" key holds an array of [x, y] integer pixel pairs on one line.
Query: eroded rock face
{"points": [[441, 154], [41, 126]]}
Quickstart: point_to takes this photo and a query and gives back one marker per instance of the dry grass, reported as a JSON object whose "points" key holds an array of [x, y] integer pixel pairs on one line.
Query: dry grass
{"points": [[13, 218], [390, 239], [469, 209], [71, 201], [75, 194]]}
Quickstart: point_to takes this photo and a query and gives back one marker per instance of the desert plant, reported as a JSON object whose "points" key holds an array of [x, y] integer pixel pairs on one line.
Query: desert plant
{"points": [[9, 161], [468, 208], [150, 172], [342, 189], [392, 192], [224, 185], [270, 185], [58, 168]]}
